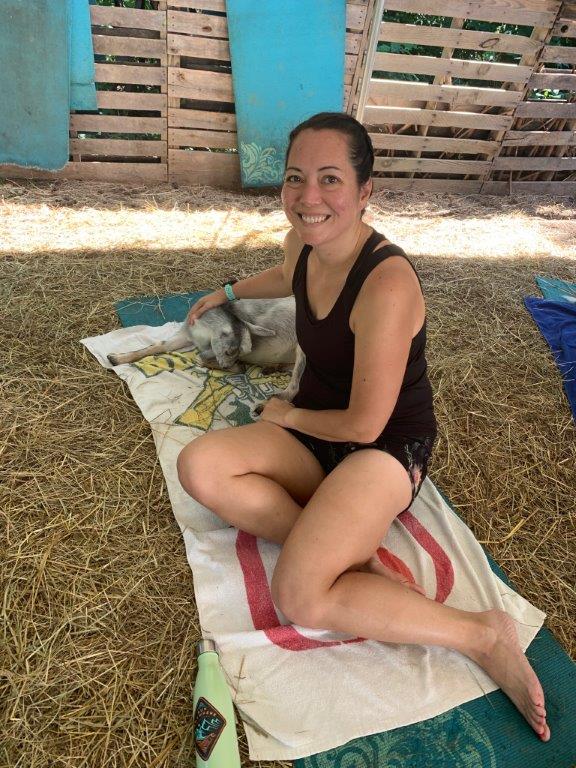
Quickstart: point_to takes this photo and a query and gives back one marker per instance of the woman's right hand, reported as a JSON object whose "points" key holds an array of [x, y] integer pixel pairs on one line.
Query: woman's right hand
{"points": [[207, 302]]}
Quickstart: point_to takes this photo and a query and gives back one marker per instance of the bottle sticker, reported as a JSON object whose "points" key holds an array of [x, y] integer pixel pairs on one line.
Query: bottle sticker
{"points": [[208, 727]]}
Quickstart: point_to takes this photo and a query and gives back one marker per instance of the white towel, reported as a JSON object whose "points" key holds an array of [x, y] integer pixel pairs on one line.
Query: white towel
{"points": [[302, 691]]}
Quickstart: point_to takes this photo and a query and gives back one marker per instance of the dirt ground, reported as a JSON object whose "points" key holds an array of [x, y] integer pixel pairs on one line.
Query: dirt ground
{"points": [[98, 616]]}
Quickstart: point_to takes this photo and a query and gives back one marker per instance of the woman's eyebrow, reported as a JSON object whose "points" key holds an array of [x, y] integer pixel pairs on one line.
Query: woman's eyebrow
{"points": [[324, 168]]}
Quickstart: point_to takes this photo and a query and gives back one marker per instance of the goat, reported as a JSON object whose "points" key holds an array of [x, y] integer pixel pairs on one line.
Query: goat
{"points": [[254, 331]]}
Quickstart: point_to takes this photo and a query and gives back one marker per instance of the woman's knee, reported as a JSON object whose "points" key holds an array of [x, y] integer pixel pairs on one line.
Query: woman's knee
{"points": [[299, 603], [199, 470]]}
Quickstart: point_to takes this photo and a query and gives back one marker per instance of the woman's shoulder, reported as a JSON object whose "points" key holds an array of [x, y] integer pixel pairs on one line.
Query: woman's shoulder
{"points": [[292, 249], [293, 246]]}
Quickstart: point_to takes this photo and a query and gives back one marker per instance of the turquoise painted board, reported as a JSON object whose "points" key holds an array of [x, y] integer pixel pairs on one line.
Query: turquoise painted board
{"points": [[287, 64], [34, 83], [82, 72]]}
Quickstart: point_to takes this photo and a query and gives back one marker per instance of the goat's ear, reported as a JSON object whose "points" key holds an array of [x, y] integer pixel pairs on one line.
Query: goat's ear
{"points": [[245, 340], [258, 330]]}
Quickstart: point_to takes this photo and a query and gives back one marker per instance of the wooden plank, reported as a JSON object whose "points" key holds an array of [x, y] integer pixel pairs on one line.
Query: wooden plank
{"points": [[546, 110], [430, 165], [383, 90], [142, 47], [534, 164], [530, 187], [119, 148], [213, 168], [204, 5], [129, 18], [117, 124], [196, 84], [355, 17], [443, 186], [130, 74], [553, 80], [431, 65], [184, 137], [564, 28], [559, 54], [125, 100], [399, 141], [451, 37], [353, 42], [200, 119], [407, 116], [127, 173], [198, 47], [197, 24], [539, 138], [536, 13]]}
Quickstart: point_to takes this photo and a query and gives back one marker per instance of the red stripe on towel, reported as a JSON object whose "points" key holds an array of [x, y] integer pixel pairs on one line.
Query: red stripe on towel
{"points": [[442, 565], [262, 607]]}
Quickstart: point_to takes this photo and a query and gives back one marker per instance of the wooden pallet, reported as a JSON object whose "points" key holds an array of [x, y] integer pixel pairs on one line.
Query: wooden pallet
{"points": [[459, 136]]}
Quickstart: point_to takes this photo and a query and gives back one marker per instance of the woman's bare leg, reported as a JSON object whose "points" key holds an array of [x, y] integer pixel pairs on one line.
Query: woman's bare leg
{"points": [[256, 477], [342, 525]]}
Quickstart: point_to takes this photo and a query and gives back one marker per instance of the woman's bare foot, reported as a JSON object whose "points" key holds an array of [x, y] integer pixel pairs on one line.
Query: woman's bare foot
{"points": [[375, 565], [503, 659]]}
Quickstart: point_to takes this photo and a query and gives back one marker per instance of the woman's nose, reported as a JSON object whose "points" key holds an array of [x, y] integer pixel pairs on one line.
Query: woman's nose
{"points": [[310, 193]]}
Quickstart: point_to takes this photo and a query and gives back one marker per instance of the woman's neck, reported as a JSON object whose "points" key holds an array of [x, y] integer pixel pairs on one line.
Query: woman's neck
{"points": [[341, 255]]}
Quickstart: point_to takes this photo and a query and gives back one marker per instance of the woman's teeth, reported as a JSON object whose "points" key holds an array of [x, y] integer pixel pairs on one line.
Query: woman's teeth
{"points": [[313, 219]]}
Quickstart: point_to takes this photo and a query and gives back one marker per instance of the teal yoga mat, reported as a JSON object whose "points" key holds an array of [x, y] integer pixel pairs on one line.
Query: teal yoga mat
{"points": [[287, 64], [484, 733]]}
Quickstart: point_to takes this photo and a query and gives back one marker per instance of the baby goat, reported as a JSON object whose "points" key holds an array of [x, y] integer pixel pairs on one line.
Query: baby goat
{"points": [[254, 331]]}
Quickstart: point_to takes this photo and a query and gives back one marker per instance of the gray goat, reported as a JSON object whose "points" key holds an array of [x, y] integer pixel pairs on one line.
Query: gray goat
{"points": [[254, 331]]}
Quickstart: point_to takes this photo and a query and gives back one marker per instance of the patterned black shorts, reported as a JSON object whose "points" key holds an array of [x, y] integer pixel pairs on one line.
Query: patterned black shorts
{"points": [[412, 452]]}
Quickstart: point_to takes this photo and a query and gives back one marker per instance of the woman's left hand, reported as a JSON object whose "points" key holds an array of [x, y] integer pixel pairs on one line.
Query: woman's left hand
{"points": [[275, 411]]}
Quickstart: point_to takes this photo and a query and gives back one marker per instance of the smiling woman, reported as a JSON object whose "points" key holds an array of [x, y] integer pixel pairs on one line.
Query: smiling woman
{"points": [[351, 451]]}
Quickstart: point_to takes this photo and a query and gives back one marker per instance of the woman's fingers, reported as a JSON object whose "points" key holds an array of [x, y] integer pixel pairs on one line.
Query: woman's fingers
{"points": [[205, 303]]}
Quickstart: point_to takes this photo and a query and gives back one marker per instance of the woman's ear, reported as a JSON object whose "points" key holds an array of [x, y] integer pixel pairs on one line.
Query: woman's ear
{"points": [[365, 192]]}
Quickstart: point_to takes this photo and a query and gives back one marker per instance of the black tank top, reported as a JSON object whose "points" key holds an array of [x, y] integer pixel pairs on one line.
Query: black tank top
{"points": [[329, 348]]}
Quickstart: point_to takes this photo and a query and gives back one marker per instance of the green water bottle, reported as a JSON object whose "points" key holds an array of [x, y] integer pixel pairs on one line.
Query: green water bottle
{"points": [[215, 736]]}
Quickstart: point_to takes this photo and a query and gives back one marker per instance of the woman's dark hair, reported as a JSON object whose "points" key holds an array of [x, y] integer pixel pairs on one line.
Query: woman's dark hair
{"points": [[361, 152]]}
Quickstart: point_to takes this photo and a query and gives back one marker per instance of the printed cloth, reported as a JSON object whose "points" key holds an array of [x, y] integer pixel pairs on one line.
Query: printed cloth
{"points": [[302, 691]]}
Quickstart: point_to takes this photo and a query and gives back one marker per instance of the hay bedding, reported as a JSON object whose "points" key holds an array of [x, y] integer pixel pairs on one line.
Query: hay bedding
{"points": [[98, 617]]}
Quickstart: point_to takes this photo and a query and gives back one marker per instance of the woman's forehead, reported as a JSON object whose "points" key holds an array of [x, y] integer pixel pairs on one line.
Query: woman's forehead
{"points": [[321, 148]]}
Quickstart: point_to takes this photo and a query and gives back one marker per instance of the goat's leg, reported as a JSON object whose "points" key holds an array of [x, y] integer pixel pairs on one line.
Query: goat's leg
{"points": [[180, 339], [291, 390], [294, 384]]}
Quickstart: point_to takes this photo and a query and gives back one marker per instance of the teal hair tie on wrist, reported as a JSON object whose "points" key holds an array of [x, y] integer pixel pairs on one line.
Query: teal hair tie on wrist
{"points": [[229, 291]]}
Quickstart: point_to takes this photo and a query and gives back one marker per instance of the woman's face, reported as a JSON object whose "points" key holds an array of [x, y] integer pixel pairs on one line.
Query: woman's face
{"points": [[320, 194]]}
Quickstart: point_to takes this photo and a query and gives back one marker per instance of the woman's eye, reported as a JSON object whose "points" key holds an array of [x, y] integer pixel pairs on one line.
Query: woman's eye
{"points": [[330, 180], [292, 179]]}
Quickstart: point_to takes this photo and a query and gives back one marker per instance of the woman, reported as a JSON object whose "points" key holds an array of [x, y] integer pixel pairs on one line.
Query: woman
{"points": [[350, 453]]}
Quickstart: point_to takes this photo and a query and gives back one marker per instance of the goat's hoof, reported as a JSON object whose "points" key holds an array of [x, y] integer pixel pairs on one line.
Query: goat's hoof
{"points": [[113, 359], [258, 410]]}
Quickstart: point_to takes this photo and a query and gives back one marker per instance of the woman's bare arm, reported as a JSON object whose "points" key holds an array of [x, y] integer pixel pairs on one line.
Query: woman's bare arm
{"points": [[273, 283]]}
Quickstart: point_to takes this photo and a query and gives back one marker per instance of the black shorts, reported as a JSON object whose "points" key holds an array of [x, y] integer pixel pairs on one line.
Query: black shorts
{"points": [[412, 452]]}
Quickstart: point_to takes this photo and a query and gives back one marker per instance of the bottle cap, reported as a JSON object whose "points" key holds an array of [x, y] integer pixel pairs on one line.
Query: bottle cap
{"points": [[204, 646]]}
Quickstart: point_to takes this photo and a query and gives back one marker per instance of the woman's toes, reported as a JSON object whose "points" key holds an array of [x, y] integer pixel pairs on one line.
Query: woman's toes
{"points": [[545, 734]]}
